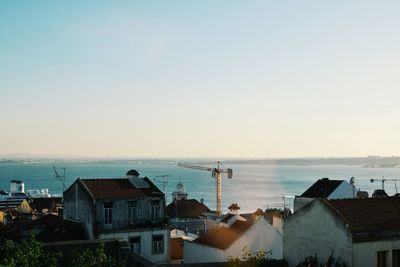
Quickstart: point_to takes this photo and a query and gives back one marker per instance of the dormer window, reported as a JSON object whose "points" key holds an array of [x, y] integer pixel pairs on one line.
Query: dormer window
{"points": [[108, 206]]}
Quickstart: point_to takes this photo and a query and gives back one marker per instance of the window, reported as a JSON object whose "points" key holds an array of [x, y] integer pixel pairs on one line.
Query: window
{"points": [[381, 258], [155, 210], [108, 206], [396, 258], [134, 243], [158, 244], [132, 211]]}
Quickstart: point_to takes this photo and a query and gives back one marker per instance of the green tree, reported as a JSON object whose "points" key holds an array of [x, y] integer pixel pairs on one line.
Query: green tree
{"points": [[27, 254], [249, 259], [95, 258]]}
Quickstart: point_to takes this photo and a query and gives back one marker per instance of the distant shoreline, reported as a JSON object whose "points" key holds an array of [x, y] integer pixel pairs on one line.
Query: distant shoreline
{"points": [[366, 162]]}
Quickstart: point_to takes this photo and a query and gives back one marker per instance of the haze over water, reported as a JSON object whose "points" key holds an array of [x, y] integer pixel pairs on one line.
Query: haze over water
{"points": [[252, 186]]}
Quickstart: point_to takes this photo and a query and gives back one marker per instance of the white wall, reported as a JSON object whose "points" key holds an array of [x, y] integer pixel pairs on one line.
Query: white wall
{"points": [[316, 229], [365, 254], [261, 236], [197, 253], [344, 190], [145, 242]]}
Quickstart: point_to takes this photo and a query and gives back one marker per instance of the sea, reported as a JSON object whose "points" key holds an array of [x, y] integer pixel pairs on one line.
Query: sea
{"points": [[252, 185]]}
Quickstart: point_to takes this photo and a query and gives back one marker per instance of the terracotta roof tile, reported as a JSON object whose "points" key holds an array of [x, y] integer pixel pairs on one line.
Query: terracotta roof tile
{"points": [[186, 208], [117, 188], [224, 237], [369, 215], [49, 228], [38, 204]]}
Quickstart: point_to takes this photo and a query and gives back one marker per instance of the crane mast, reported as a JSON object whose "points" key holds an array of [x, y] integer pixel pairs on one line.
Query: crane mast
{"points": [[216, 173]]}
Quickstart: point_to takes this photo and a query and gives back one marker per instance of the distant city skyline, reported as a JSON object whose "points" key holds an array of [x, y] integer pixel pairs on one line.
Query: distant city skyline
{"points": [[200, 79]]}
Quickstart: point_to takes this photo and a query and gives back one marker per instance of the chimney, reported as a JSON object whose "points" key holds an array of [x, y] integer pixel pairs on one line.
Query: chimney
{"points": [[234, 208], [132, 174]]}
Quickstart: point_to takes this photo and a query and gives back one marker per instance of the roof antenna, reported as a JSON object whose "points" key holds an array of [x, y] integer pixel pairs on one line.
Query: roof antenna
{"points": [[352, 182]]}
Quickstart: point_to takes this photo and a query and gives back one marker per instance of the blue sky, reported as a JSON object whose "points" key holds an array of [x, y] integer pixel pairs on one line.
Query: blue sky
{"points": [[200, 78]]}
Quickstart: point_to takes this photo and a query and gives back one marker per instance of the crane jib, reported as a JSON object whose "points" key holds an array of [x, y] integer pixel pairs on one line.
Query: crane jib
{"points": [[216, 173]]}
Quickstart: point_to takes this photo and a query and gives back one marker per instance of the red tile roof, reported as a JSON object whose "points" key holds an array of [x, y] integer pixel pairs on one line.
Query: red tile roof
{"points": [[369, 215], [117, 188], [186, 208], [49, 228], [49, 203], [224, 237]]}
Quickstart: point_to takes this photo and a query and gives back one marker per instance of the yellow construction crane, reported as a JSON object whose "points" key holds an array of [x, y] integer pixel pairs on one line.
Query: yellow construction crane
{"points": [[216, 173]]}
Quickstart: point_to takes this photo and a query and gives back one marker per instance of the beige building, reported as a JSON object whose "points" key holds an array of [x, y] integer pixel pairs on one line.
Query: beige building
{"points": [[130, 209]]}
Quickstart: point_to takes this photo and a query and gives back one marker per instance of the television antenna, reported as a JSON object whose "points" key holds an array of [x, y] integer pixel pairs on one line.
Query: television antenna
{"points": [[60, 177], [383, 180], [164, 181]]}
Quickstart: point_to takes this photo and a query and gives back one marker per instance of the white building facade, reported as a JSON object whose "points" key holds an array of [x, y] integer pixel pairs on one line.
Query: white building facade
{"points": [[355, 232], [259, 236]]}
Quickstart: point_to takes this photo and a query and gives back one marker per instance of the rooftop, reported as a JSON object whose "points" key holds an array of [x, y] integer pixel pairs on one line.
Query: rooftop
{"points": [[49, 228], [186, 208], [223, 237], [322, 188], [117, 188], [370, 214], [227, 217], [49, 203]]}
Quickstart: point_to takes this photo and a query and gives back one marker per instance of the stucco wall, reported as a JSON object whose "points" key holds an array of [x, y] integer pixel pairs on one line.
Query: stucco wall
{"points": [[365, 254], [261, 236], [120, 212], [77, 206], [316, 229], [145, 242], [196, 253]]}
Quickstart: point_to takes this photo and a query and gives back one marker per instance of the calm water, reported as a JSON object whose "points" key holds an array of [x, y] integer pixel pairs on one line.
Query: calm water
{"points": [[252, 186]]}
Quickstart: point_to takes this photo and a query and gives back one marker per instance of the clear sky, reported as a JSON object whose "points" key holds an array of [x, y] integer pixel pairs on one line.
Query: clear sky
{"points": [[200, 78]]}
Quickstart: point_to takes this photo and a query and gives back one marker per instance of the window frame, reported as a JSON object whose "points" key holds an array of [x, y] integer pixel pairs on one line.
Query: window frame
{"points": [[108, 212], [132, 211], [396, 257], [139, 246], [155, 210], [381, 258], [157, 246]]}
